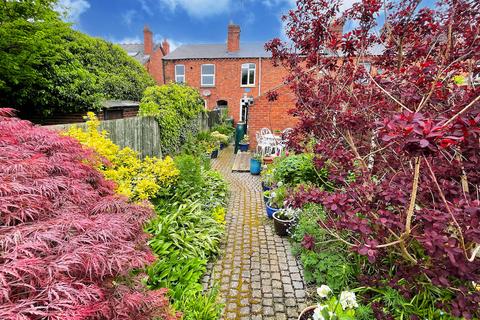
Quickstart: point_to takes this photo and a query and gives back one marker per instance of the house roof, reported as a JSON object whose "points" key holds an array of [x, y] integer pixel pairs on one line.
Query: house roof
{"points": [[135, 50], [218, 51], [247, 50]]}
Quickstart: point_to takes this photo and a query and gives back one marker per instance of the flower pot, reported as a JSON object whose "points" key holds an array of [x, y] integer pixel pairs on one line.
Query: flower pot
{"points": [[214, 154], [266, 199], [307, 313], [270, 211], [265, 187], [281, 226], [243, 147], [222, 145], [255, 166], [267, 160]]}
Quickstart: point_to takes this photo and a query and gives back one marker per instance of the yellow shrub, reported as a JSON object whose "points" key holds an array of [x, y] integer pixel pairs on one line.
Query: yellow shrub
{"points": [[137, 179]]}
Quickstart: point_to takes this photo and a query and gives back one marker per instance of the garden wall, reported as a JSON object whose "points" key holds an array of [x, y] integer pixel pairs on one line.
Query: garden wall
{"points": [[141, 134]]}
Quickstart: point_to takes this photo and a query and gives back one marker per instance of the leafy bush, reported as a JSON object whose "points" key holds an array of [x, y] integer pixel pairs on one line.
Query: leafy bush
{"points": [[68, 242], [300, 168], [224, 128], [325, 260], [49, 67], [176, 108], [136, 179]]}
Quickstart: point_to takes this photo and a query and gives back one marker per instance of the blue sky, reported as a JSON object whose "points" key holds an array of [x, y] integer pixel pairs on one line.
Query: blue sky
{"points": [[181, 21]]}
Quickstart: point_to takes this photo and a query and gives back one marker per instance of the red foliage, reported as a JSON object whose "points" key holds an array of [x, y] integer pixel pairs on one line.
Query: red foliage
{"points": [[378, 128], [67, 240]]}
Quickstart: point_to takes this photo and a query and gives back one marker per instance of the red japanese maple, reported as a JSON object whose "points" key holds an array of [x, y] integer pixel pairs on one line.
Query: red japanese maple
{"points": [[407, 130], [67, 241]]}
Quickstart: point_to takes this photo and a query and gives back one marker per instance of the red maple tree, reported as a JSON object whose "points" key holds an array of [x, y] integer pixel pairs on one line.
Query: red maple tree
{"points": [[67, 242]]}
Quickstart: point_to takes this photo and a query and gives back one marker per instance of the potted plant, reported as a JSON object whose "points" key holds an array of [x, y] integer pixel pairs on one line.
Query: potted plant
{"points": [[276, 201], [222, 139], [283, 220], [244, 143], [268, 159], [267, 177], [267, 195], [333, 308], [255, 164]]}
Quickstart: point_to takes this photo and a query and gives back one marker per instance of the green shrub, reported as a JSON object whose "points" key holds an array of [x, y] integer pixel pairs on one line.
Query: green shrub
{"points": [[298, 169], [328, 261], [176, 108]]}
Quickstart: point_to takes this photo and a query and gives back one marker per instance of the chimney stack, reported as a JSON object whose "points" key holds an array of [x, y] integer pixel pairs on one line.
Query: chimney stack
{"points": [[166, 47], [147, 40], [233, 40]]}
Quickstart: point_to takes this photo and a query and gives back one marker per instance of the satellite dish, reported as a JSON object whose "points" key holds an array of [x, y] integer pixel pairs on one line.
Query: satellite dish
{"points": [[206, 93]]}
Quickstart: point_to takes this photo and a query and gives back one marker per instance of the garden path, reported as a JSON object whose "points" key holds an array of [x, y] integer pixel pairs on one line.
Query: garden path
{"points": [[257, 275]]}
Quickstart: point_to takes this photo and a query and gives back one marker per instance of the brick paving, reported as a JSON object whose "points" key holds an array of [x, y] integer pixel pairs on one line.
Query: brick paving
{"points": [[257, 275]]}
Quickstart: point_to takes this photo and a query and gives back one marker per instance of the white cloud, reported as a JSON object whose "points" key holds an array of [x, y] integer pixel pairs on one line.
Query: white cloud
{"points": [[71, 10], [146, 7], [198, 8], [128, 17]]}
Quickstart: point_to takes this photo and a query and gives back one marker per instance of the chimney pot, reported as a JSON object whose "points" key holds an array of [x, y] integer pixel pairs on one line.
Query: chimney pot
{"points": [[166, 47]]}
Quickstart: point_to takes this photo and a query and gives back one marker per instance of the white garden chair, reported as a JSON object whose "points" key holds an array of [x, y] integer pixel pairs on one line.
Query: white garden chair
{"points": [[263, 145]]}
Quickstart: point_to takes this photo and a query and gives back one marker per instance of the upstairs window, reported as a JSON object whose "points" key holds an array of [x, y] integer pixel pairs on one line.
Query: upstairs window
{"points": [[179, 73], [208, 75], [248, 74]]}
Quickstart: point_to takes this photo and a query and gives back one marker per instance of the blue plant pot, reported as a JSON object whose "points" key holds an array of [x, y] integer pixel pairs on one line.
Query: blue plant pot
{"points": [[255, 166], [222, 146], [214, 154], [266, 199], [243, 147], [270, 211], [265, 188]]}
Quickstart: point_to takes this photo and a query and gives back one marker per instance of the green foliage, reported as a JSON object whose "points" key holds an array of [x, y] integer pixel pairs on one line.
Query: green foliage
{"points": [[421, 304], [224, 128], [186, 233], [184, 229], [278, 196], [49, 67], [329, 261], [296, 169], [176, 108]]}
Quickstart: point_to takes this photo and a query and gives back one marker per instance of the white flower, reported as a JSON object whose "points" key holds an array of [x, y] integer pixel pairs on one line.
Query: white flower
{"points": [[279, 184], [323, 291], [317, 313], [348, 300]]}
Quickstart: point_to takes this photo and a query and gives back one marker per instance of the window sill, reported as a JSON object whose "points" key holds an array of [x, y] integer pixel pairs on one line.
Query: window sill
{"points": [[248, 86], [207, 86]]}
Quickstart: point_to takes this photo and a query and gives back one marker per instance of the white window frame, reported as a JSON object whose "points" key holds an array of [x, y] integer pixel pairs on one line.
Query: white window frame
{"points": [[368, 70], [179, 75], [247, 66], [202, 74]]}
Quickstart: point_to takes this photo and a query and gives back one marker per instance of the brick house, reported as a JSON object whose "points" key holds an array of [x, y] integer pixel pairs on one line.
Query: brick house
{"points": [[225, 75]]}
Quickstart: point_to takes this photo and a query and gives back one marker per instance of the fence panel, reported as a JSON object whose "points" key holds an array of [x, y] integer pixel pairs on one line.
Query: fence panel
{"points": [[141, 134]]}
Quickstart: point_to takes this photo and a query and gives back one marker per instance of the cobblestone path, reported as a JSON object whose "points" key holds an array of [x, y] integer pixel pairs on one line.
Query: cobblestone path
{"points": [[257, 275]]}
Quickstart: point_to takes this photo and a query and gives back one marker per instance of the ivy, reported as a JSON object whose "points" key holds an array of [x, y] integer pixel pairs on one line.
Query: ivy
{"points": [[176, 107]]}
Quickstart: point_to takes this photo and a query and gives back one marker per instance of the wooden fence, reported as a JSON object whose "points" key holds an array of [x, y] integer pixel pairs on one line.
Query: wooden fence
{"points": [[141, 134]]}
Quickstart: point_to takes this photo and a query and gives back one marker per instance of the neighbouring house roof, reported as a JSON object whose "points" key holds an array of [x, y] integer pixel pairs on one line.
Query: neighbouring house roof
{"points": [[135, 50], [218, 51], [114, 104], [247, 50]]}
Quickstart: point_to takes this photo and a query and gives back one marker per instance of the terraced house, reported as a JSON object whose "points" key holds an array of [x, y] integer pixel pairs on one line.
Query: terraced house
{"points": [[235, 74]]}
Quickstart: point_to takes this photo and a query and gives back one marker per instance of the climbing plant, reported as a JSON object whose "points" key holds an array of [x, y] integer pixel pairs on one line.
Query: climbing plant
{"points": [[176, 107]]}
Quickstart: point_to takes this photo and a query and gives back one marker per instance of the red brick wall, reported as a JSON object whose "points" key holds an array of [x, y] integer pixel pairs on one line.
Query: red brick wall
{"points": [[228, 79], [272, 115], [155, 66]]}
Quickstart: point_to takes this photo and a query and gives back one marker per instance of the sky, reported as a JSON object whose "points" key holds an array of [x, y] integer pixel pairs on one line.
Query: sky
{"points": [[180, 21]]}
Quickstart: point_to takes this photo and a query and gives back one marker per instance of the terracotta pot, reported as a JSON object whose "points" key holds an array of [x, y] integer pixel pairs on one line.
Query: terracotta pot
{"points": [[307, 313], [267, 160]]}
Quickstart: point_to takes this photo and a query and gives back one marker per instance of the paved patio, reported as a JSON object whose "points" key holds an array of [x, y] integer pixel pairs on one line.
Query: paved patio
{"points": [[257, 275]]}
